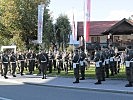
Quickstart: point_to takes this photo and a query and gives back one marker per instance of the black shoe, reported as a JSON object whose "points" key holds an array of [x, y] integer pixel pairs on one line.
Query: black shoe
{"points": [[22, 74], [14, 75], [5, 77], [128, 85], [98, 83], [76, 82], [82, 78], [42, 77]]}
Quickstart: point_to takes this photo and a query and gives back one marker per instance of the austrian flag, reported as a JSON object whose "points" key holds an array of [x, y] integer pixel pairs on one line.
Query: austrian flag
{"points": [[73, 29], [86, 20]]}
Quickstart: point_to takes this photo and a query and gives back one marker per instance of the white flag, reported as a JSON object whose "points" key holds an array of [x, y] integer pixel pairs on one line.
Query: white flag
{"points": [[40, 22]]}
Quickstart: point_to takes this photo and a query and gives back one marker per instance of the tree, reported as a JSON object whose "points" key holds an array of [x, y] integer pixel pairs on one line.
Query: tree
{"points": [[63, 29], [28, 12], [19, 18], [8, 15]]}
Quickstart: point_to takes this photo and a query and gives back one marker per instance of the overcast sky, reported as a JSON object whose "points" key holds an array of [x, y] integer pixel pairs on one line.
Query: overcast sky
{"points": [[100, 9]]}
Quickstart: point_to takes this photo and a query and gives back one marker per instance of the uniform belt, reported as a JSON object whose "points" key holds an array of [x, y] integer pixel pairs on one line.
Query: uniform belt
{"points": [[30, 59], [5, 62], [43, 61], [21, 60], [97, 64], [76, 63]]}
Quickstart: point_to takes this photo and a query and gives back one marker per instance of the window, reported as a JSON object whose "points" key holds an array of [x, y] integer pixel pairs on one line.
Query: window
{"points": [[95, 39], [116, 38]]}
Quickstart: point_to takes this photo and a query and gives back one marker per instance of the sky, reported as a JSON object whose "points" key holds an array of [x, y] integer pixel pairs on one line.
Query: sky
{"points": [[101, 10]]}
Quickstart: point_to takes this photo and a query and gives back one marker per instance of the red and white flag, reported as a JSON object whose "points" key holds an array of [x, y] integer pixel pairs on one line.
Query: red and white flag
{"points": [[86, 20]]}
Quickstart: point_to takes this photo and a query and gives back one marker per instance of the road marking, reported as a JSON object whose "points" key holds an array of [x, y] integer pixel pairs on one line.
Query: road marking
{"points": [[1, 98]]}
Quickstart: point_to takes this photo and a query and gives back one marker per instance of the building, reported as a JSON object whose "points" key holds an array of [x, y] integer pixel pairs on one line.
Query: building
{"points": [[118, 33]]}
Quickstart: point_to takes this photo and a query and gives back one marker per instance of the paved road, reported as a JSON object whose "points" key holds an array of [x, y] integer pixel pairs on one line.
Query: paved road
{"points": [[14, 91]]}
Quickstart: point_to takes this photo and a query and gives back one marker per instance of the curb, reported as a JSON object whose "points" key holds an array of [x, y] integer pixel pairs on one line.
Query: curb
{"points": [[69, 87], [80, 88]]}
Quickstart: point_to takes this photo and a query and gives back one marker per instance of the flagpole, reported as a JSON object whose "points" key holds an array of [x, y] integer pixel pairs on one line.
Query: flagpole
{"points": [[86, 22], [73, 29], [84, 39]]}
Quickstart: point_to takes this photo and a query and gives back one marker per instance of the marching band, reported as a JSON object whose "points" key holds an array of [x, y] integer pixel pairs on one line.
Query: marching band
{"points": [[107, 63]]}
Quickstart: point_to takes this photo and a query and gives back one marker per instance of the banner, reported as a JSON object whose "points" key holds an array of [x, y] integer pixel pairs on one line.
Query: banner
{"points": [[86, 20], [74, 29], [40, 22]]}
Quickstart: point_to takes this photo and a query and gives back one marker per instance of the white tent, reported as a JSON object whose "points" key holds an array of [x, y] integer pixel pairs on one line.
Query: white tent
{"points": [[8, 47]]}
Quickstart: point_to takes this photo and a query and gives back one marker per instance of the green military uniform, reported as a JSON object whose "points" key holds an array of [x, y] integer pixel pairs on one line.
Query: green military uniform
{"points": [[76, 60], [107, 63], [43, 60], [13, 60], [129, 68], [82, 65], [21, 61], [111, 61], [31, 61], [103, 58], [1, 69], [98, 64], [51, 57], [5, 62]]}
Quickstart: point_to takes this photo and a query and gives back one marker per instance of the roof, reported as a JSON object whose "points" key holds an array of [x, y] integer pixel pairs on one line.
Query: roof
{"points": [[122, 27], [96, 27]]}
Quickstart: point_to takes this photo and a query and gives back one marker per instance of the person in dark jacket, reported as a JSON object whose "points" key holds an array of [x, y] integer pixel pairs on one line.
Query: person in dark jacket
{"points": [[76, 59], [31, 61], [13, 61], [98, 66], [82, 65], [21, 62], [129, 66], [5, 62], [1, 69], [112, 60], [43, 60]]}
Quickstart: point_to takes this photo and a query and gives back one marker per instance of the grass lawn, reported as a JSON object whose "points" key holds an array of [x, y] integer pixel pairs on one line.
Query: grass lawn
{"points": [[89, 73]]}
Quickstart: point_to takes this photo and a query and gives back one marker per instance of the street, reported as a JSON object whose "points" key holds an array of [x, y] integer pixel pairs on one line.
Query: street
{"points": [[14, 91]]}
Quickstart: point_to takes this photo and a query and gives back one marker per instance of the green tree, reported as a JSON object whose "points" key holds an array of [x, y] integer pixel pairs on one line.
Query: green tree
{"points": [[18, 21], [48, 33], [8, 15], [28, 14], [63, 29]]}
